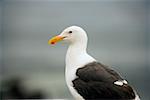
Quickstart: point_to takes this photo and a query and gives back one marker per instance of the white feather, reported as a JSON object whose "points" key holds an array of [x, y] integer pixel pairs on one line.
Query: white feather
{"points": [[120, 83], [125, 82]]}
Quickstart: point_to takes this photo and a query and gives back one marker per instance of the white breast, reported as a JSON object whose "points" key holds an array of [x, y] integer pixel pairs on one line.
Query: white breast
{"points": [[70, 75], [72, 64]]}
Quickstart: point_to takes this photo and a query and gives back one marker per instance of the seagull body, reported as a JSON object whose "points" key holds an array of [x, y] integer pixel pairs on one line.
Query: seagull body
{"points": [[86, 78]]}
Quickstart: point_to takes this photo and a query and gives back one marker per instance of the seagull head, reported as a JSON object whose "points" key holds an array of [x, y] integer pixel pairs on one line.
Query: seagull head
{"points": [[72, 34]]}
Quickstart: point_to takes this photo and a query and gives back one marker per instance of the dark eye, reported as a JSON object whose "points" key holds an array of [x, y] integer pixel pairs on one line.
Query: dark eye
{"points": [[70, 31]]}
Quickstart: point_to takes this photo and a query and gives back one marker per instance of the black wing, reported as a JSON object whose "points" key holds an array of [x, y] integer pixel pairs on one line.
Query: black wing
{"points": [[98, 72], [95, 81]]}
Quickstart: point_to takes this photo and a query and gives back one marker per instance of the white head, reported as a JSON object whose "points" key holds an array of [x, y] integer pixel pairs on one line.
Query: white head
{"points": [[72, 34]]}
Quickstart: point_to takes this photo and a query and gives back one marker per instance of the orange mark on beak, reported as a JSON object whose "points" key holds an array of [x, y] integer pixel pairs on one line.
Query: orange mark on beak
{"points": [[55, 39]]}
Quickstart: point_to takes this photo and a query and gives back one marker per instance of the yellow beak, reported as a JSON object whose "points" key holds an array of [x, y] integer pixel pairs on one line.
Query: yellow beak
{"points": [[55, 39]]}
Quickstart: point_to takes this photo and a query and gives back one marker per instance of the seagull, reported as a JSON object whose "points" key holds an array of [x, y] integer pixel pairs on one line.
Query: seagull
{"points": [[87, 78]]}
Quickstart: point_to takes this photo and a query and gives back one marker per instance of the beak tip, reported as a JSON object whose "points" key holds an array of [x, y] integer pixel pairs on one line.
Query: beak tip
{"points": [[51, 43], [54, 40]]}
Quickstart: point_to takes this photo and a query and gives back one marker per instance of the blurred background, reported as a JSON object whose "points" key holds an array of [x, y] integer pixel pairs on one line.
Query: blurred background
{"points": [[118, 31]]}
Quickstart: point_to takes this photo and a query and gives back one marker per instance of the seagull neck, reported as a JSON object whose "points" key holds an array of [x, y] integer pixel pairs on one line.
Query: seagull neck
{"points": [[76, 57], [77, 48], [75, 52]]}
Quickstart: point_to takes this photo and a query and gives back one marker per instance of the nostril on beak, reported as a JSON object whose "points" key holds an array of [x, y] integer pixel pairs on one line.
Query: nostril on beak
{"points": [[64, 37]]}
